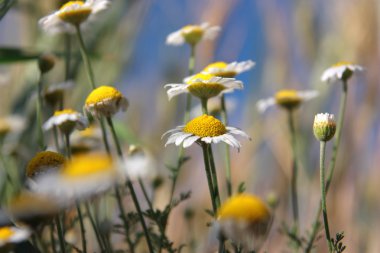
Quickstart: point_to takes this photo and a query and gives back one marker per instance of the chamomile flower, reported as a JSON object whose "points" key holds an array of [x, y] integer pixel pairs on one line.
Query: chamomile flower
{"points": [[44, 162], [324, 126], [139, 163], [83, 176], [86, 140], [228, 70], [206, 129], [192, 34], [66, 120], [288, 99], [54, 93], [340, 71], [203, 86], [105, 101], [244, 219], [33, 208], [11, 234], [73, 13]]}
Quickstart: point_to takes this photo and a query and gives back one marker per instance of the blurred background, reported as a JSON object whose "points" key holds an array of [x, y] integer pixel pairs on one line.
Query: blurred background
{"points": [[291, 41]]}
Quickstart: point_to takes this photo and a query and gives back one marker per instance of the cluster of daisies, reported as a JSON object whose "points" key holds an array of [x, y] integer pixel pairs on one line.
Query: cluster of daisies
{"points": [[56, 182]]}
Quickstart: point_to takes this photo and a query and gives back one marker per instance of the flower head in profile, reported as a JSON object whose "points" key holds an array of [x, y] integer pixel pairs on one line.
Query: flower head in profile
{"points": [[192, 34], [340, 71], [73, 13], [66, 120], [83, 176], [228, 70], [105, 101], [33, 209], [87, 140], [55, 92], [44, 162], [324, 126], [203, 86], [205, 129], [288, 99], [11, 234], [244, 219]]}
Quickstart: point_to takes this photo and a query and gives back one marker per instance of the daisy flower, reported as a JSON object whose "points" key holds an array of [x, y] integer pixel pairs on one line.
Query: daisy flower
{"points": [[54, 93], [66, 120], [73, 13], [33, 209], [288, 99], [105, 101], [83, 176], [206, 129], [44, 162], [203, 86], [139, 163], [244, 219], [340, 71], [192, 34], [11, 234], [86, 140], [230, 70], [11, 124]]}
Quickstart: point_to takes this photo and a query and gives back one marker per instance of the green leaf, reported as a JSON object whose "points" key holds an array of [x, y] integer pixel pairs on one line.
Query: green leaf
{"points": [[10, 55]]}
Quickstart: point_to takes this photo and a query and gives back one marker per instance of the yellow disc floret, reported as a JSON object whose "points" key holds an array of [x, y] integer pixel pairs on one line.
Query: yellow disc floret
{"points": [[200, 85], [43, 162], [288, 98], [103, 93], [87, 165], [219, 69], [6, 233], [74, 12], [205, 126], [244, 207], [65, 111], [342, 63], [192, 34]]}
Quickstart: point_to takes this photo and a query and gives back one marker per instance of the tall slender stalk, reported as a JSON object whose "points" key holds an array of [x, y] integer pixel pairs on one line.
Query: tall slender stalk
{"points": [[293, 182], [186, 118], [214, 176], [342, 109], [130, 186], [227, 157], [95, 228], [40, 133], [206, 160], [323, 193], [61, 236]]}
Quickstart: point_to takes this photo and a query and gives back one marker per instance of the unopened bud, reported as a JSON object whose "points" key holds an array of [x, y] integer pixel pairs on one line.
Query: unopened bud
{"points": [[46, 62], [324, 126]]}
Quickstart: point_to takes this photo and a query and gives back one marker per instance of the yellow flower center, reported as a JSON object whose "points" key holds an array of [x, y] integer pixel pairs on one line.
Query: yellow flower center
{"points": [[244, 207], [65, 111], [74, 12], [44, 161], [205, 126], [219, 69], [87, 164], [342, 63], [200, 86], [192, 33], [103, 93], [288, 98], [6, 233]]}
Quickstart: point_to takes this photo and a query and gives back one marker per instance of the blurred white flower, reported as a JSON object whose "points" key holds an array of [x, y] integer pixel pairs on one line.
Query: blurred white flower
{"points": [[340, 71], [192, 34], [139, 164], [288, 99], [66, 120], [73, 13], [11, 234]]}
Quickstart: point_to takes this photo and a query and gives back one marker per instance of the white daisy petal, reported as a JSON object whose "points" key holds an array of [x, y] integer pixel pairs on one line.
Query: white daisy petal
{"points": [[263, 104], [181, 138], [189, 141], [337, 71]]}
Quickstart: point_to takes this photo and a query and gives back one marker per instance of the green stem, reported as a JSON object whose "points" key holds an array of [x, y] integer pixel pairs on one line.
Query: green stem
{"points": [[214, 176], [94, 226], [67, 56], [82, 229], [342, 109], [61, 235], [227, 159], [130, 186], [323, 193], [186, 118], [68, 148], [293, 182], [204, 105], [56, 142], [206, 160], [52, 239], [86, 60], [40, 134]]}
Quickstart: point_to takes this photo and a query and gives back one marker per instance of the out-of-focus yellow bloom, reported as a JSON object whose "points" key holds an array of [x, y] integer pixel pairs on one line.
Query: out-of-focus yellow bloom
{"points": [[228, 70], [45, 161], [204, 128], [203, 86], [192, 34], [9, 235], [340, 71], [244, 219], [288, 99], [105, 101]]}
